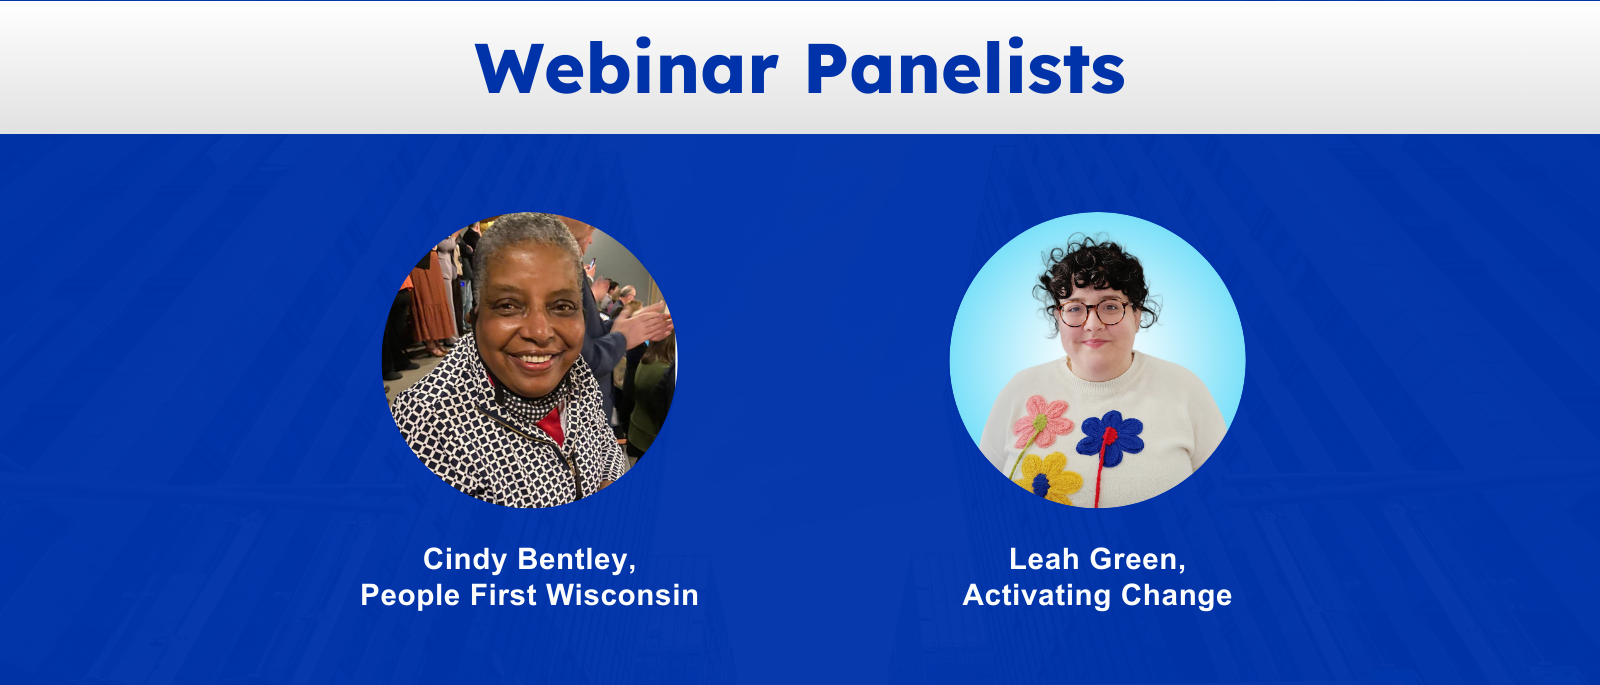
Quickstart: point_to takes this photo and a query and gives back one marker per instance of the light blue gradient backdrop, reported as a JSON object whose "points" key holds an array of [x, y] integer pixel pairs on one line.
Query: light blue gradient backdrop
{"points": [[1001, 330]]}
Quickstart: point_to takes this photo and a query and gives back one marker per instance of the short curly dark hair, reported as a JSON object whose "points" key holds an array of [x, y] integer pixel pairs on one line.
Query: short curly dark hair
{"points": [[1097, 264]]}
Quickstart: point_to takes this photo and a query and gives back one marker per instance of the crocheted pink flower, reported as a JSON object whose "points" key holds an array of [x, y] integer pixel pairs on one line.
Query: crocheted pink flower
{"points": [[1042, 424]]}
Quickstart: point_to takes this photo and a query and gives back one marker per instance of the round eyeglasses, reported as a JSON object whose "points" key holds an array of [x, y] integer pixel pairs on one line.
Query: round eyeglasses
{"points": [[1074, 314]]}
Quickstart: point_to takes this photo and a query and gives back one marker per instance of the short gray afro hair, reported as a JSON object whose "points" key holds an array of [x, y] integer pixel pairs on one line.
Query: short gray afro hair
{"points": [[520, 229]]}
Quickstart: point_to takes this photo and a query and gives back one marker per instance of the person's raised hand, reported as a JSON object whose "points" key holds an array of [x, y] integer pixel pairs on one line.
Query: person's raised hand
{"points": [[648, 324], [667, 331], [588, 270], [661, 334]]}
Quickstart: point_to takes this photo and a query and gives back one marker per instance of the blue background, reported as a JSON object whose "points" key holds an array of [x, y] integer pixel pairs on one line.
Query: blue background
{"points": [[199, 469], [1001, 327]]}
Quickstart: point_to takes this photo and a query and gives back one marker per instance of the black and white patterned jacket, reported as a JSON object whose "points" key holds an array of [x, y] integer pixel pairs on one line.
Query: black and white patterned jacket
{"points": [[465, 429]]}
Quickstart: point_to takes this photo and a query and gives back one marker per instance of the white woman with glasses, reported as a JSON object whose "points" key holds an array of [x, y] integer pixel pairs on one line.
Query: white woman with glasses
{"points": [[1105, 425]]}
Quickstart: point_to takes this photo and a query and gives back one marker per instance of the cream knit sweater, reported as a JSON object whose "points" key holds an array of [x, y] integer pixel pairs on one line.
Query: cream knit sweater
{"points": [[1158, 403]]}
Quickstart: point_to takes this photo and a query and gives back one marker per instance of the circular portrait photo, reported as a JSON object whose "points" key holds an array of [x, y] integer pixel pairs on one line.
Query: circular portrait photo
{"points": [[529, 360], [1097, 360]]}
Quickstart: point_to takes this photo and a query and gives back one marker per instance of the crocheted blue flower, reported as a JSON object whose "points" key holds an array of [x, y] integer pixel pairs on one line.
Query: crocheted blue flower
{"points": [[1113, 434]]}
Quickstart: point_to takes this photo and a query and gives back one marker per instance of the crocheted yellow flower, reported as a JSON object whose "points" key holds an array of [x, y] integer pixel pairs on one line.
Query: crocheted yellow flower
{"points": [[1048, 477]]}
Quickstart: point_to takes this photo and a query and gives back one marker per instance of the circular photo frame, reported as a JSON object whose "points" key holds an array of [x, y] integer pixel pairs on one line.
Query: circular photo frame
{"points": [[529, 360], [1097, 360]]}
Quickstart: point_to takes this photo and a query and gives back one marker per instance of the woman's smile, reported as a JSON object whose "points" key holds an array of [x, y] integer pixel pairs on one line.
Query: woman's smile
{"points": [[530, 327], [535, 363]]}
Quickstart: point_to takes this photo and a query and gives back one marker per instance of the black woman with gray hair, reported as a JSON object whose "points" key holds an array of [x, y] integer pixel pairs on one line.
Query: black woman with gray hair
{"points": [[513, 415]]}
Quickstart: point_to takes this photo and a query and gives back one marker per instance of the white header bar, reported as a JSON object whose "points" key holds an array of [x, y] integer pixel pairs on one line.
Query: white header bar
{"points": [[1186, 67]]}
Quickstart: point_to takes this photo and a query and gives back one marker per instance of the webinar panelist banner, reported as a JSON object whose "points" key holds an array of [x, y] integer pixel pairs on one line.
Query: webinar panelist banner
{"points": [[841, 67], [1158, 342]]}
